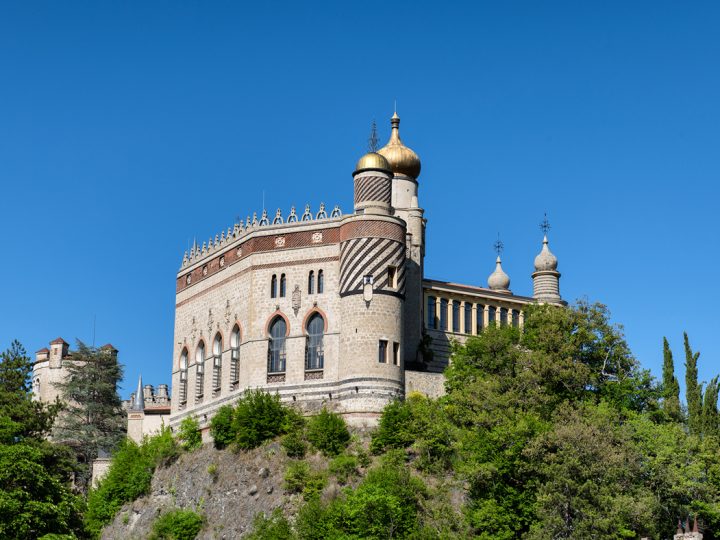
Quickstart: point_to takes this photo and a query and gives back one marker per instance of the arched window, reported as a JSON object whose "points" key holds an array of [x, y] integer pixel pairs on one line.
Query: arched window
{"points": [[217, 363], [235, 358], [276, 346], [456, 316], [491, 315], [468, 318], [273, 286], [443, 314], [431, 319], [199, 371], [503, 316], [515, 318], [311, 282], [314, 351], [183, 376], [282, 286], [321, 281]]}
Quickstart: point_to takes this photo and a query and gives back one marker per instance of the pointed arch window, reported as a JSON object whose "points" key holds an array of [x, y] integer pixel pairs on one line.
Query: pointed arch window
{"points": [[311, 282], [321, 281], [314, 351], [183, 376], [217, 363], [276, 346], [273, 286], [282, 286], [199, 371], [235, 358]]}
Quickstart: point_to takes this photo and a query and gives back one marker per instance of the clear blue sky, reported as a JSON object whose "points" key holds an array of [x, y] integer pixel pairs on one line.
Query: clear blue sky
{"points": [[129, 128]]}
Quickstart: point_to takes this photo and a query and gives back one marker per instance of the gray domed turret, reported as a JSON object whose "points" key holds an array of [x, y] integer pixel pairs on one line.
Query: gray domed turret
{"points": [[546, 278], [499, 281]]}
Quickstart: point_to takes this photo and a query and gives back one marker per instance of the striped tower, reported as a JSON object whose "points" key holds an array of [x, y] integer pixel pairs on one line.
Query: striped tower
{"points": [[372, 294]]}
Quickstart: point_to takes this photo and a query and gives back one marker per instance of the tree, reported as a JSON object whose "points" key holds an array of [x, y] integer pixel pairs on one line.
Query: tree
{"points": [[710, 417], [671, 386], [35, 492], [693, 389], [93, 419]]}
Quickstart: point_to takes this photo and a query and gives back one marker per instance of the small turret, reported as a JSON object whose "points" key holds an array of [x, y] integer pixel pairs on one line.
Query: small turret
{"points": [[138, 402], [546, 278], [499, 281]]}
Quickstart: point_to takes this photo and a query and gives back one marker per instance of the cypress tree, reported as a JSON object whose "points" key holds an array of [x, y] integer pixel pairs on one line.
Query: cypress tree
{"points": [[671, 386], [693, 389], [93, 419], [711, 425]]}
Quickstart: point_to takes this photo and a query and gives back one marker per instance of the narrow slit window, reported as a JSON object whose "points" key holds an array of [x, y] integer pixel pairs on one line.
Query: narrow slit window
{"points": [[382, 351], [396, 353], [321, 282]]}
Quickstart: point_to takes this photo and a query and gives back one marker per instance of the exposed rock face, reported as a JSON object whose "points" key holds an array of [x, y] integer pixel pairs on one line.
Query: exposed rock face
{"points": [[227, 488]]}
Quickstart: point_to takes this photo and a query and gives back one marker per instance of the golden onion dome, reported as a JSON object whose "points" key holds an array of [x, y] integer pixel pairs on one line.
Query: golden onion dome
{"points": [[372, 160], [402, 160]]}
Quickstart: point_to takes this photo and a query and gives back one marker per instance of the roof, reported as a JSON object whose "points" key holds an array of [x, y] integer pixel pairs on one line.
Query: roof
{"points": [[59, 340], [108, 346], [44, 349]]}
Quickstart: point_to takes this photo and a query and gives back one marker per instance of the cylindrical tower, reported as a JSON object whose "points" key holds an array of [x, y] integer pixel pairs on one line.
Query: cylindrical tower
{"points": [[546, 278], [372, 295]]}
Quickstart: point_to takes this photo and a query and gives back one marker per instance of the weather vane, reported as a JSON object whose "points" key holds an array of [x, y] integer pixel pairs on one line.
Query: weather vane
{"points": [[373, 140], [498, 246], [545, 224]]}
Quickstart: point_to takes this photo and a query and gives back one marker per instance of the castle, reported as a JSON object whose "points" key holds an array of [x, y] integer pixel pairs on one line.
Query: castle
{"points": [[329, 309]]}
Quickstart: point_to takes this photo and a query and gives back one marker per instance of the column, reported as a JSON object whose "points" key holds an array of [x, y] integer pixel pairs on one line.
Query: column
{"points": [[473, 329]]}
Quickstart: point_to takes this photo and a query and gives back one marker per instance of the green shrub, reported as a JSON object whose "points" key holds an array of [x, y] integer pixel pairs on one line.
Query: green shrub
{"points": [[128, 478], [213, 470], [300, 478], [221, 426], [177, 525], [344, 467], [294, 445], [276, 527], [258, 417], [328, 433], [392, 429], [189, 434]]}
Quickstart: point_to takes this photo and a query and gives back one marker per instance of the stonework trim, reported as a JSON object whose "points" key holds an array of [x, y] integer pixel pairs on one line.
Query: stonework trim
{"points": [[271, 318], [375, 291], [309, 314], [253, 268]]}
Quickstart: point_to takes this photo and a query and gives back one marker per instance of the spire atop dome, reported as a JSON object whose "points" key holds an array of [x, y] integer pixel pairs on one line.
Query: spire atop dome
{"points": [[401, 158], [545, 260], [499, 281]]}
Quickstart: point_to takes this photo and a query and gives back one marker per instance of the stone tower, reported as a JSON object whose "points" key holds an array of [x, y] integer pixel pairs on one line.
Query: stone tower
{"points": [[371, 289], [405, 165], [546, 278]]}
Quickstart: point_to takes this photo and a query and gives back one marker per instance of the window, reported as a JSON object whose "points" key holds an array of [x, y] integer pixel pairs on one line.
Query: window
{"points": [[480, 314], [235, 357], [392, 277], [276, 346], [183, 376], [396, 353], [282, 286], [200, 370], [515, 318], [468, 318], [217, 364], [273, 287], [456, 316], [503, 316], [491, 315], [321, 281], [431, 319], [443, 314], [311, 282], [382, 351], [314, 353]]}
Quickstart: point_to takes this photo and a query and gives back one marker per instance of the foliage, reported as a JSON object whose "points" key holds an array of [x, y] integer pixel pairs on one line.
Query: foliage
{"points": [[294, 444], [670, 386], [328, 432], [189, 433], [344, 468], [177, 525], [36, 498], [300, 478], [258, 417], [275, 527], [128, 478], [93, 417], [693, 389], [221, 426]]}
